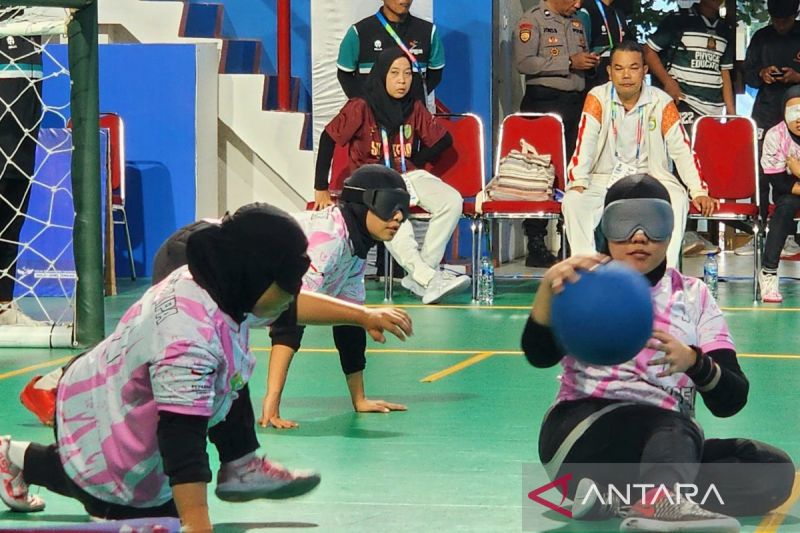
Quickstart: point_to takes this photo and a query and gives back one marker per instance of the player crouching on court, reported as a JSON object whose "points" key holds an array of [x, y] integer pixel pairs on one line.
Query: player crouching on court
{"points": [[132, 414], [642, 412]]}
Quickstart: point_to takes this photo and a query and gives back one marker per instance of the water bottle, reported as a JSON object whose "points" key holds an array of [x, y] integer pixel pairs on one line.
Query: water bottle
{"points": [[711, 273], [486, 282]]}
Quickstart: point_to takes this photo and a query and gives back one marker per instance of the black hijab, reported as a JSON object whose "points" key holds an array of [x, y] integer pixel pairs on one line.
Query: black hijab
{"points": [[237, 260], [389, 112], [629, 187], [791, 92], [355, 213]]}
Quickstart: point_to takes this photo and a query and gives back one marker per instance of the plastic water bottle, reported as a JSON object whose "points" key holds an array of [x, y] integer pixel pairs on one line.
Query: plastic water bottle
{"points": [[486, 282], [711, 273]]}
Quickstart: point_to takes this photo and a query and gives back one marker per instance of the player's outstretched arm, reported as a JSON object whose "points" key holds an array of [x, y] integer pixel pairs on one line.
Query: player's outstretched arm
{"points": [[318, 309]]}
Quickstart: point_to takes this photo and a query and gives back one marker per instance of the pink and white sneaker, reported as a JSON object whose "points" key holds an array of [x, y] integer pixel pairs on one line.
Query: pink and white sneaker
{"points": [[14, 490], [261, 478]]}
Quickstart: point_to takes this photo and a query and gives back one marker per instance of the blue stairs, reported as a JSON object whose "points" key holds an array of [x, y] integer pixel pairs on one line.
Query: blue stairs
{"points": [[241, 56]]}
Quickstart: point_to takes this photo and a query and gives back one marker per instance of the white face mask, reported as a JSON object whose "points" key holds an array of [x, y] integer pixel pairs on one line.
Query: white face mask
{"points": [[792, 113]]}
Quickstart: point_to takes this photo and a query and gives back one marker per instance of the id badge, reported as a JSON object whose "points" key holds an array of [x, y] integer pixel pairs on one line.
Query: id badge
{"points": [[620, 171], [412, 193]]}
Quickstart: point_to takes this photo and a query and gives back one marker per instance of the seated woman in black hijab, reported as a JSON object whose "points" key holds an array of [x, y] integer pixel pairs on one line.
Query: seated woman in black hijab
{"points": [[387, 126]]}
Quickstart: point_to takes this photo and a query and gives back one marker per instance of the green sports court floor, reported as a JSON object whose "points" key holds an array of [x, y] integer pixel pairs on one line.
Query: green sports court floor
{"points": [[453, 461]]}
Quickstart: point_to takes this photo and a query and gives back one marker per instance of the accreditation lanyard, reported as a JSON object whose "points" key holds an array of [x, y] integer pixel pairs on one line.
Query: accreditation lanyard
{"points": [[639, 128], [387, 158], [400, 43], [605, 21]]}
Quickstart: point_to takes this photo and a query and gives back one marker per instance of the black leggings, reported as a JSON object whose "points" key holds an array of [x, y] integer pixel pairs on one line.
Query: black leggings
{"points": [[234, 437], [670, 448], [781, 225], [350, 341]]}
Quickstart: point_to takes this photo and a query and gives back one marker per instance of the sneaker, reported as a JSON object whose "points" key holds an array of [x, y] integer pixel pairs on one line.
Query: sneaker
{"points": [[14, 490], [443, 283], [790, 248], [408, 283], [695, 244], [41, 402], [770, 291], [12, 315], [747, 248], [668, 513], [587, 506], [261, 478]]}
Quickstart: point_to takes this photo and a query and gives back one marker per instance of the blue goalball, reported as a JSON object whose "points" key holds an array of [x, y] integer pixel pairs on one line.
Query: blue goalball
{"points": [[606, 317]]}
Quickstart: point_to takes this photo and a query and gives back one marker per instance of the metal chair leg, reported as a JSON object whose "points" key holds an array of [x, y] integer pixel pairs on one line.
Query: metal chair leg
{"points": [[388, 276]]}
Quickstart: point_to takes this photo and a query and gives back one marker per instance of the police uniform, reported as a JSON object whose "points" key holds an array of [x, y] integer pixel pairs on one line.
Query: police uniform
{"points": [[367, 38], [543, 45], [20, 75]]}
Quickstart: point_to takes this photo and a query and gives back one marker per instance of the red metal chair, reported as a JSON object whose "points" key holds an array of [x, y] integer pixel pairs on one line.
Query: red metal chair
{"points": [[116, 170], [545, 131], [727, 148]]}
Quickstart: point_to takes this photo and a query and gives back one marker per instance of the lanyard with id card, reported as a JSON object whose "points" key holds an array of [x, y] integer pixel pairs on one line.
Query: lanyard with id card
{"points": [[387, 160], [621, 168]]}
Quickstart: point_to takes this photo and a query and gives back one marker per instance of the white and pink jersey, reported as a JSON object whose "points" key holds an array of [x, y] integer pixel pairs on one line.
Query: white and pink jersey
{"points": [[335, 270], [778, 147], [683, 307], [175, 351]]}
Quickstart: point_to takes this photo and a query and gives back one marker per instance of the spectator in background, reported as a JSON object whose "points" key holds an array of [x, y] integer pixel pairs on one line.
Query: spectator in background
{"points": [[605, 26], [388, 126], [550, 49], [392, 26], [689, 57], [629, 128], [770, 67]]}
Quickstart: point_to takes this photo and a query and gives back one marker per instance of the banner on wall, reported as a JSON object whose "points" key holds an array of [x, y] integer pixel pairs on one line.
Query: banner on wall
{"points": [[329, 23]]}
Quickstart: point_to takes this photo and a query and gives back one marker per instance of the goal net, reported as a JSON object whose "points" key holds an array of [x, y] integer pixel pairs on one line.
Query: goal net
{"points": [[38, 275]]}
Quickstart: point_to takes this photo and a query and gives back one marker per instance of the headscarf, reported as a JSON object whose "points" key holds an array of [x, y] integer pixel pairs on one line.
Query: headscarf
{"points": [[355, 213], [389, 112], [630, 187], [791, 92], [236, 261]]}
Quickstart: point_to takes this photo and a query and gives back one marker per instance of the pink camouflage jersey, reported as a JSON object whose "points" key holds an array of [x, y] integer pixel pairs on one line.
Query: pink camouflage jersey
{"points": [[778, 147], [175, 351], [335, 270], [683, 307]]}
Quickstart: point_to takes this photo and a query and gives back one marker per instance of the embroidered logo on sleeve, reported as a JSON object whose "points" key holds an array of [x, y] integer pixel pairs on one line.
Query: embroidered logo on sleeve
{"points": [[525, 29]]}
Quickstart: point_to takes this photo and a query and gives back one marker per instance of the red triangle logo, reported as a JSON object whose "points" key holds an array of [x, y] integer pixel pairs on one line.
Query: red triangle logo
{"points": [[560, 483]]}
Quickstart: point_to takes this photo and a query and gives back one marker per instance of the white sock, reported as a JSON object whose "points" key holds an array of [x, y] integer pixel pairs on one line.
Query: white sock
{"points": [[16, 452], [49, 381]]}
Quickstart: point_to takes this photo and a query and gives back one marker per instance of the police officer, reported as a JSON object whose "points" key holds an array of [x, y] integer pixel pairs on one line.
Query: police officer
{"points": [[550, 49]]}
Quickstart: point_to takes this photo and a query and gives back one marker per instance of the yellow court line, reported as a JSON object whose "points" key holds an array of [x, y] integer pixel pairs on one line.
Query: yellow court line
{"points": [[407, 351], [477, 358], [35, 367], [773, 520], [527, 307]]}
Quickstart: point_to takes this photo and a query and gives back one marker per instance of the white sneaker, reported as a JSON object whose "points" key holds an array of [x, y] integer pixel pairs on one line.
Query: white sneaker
{"points": [[443, 283], [694, 244], [747, 248], [12, 315], [408, 283], [261, 478], [13, 489], [790, 248], [769, 286]]}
